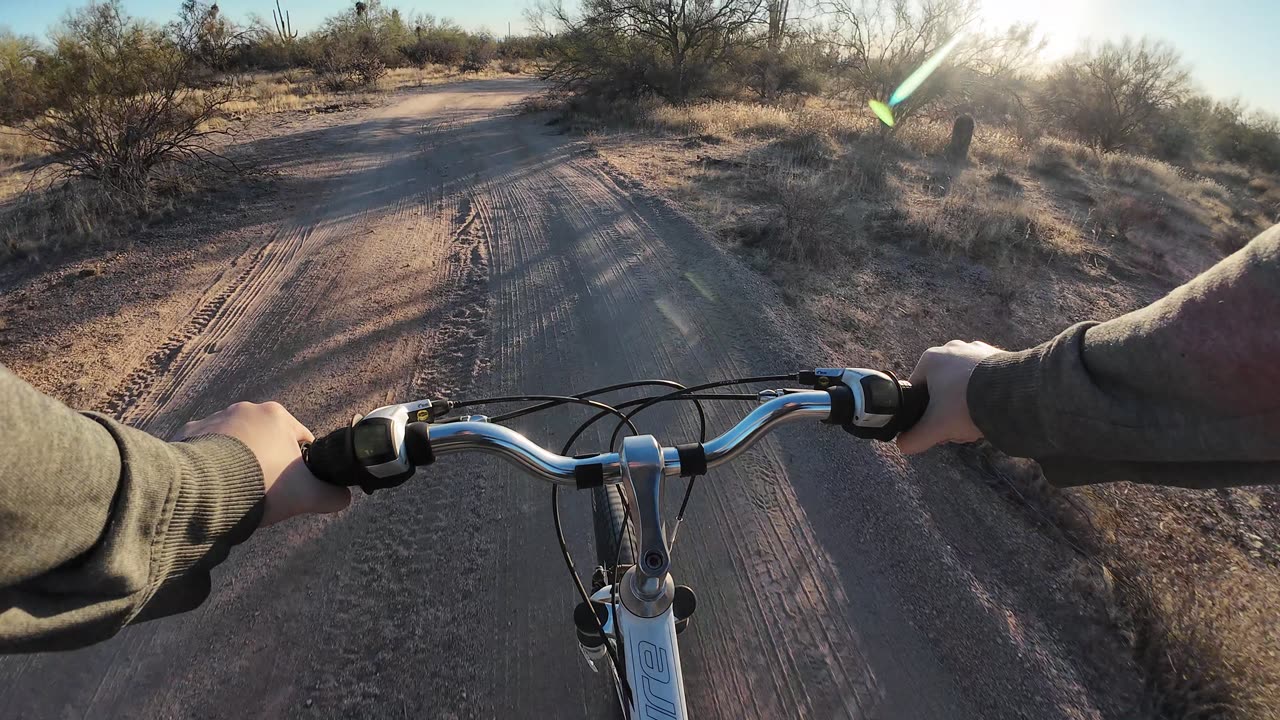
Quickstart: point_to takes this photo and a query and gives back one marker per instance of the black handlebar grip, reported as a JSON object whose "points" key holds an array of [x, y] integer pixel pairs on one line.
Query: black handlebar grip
{"points": [[332, 459], [915, 400]]}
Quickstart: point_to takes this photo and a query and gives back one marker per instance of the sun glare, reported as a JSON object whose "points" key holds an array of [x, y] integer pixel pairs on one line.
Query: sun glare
{"points": [[1061, 23]]}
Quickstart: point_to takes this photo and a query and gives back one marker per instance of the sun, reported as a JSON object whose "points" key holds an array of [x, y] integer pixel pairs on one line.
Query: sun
{"points": [[1063, 24]]}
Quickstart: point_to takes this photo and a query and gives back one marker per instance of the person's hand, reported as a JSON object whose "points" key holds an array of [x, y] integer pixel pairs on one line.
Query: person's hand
{"points": [[273, 436], [946, 371]]}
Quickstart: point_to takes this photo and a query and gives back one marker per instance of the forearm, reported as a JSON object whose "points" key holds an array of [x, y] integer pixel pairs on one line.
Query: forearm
{"points": [[101, 524], [1191, 381]]}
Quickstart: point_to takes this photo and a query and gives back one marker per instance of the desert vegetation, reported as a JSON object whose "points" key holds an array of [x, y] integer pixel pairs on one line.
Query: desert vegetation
{"points": [[110, 119], [1092, 185]]}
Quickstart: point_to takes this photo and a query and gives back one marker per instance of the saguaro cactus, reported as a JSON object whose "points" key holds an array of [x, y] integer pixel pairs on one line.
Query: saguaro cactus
{"points": [[283, 26]]}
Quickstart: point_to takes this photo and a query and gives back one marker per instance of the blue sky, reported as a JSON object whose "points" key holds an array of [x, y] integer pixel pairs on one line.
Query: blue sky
{"points": [[1229, 43]]}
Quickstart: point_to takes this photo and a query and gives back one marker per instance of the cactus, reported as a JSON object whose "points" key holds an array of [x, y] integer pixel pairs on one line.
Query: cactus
{"points": [[961, 136], [283, 25]]}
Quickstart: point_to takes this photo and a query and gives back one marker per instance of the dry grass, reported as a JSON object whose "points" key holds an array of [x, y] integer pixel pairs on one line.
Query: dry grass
{"points": [[1018, 197], [77, 213], [1199, 616], [986, 221], [1209, 649], [726, 119], [17, 147]]}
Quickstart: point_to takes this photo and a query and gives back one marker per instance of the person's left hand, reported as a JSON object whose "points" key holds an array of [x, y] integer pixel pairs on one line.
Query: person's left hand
{"points": [[273, 435], [946, 370]]}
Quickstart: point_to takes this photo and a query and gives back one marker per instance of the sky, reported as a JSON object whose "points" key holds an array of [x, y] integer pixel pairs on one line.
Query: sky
{"points": [[1230, 44]]}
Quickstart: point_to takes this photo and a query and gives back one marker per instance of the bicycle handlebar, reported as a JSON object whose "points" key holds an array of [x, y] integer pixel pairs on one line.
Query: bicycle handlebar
{"points": [[524, 453], [384, 449]]}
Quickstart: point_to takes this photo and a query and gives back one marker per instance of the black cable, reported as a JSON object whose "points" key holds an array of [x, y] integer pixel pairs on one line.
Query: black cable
{"points": [[590, 393], [559, 400], [614, 656], [706, 386], [702, 417]]}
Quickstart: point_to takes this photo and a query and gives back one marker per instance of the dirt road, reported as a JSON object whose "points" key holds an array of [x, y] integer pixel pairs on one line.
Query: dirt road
{"points": [[444, 245]]}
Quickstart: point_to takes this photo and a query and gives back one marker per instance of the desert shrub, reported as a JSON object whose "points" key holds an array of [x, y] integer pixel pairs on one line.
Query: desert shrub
{"points": [[346, 60], [120, 106], [804, 219], [439, 46], [622, 49], [882, 43], [481, 50], [521, 47], [1108, 94], [770, 74], [210, 41], [21, 94]]}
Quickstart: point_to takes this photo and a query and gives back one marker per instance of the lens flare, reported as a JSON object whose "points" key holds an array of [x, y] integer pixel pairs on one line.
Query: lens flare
{"points": [[884, 111]]}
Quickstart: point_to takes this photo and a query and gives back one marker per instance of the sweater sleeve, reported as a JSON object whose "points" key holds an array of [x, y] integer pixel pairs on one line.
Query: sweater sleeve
{"points": [[1185, 391], [102, 525]]}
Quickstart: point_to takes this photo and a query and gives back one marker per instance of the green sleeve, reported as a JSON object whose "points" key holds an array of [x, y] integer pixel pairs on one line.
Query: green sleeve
{"points": [[1185, 391], [102, 525]]}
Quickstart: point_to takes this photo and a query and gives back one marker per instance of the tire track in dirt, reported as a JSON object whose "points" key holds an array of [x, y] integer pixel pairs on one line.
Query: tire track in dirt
{"points": [[453, 337]]}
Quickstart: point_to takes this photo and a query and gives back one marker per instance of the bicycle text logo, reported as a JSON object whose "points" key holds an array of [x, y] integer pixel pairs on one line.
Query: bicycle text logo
{"points": [[659, 694]]}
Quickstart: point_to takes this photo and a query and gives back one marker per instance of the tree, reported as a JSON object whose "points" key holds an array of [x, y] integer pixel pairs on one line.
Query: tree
{"points": [[481, 50], [119, 103], [881, 42], [686, 40], [205, 34], [1106, 95], [436, 41], [20, 81]]}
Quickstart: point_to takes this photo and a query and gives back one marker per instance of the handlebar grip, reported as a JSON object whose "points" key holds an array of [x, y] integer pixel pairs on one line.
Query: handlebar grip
{"points": [[915, 400], [331, 458]]}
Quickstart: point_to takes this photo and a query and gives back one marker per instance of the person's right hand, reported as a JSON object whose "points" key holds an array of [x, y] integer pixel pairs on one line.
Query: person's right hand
{"points": [[946, 371], [273, 434]]}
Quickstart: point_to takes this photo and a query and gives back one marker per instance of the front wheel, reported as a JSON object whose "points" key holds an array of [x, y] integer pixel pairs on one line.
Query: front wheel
{"points": [[608, 512]]}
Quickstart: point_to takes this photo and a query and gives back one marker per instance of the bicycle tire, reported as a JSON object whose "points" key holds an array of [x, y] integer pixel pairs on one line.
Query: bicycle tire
{"points": [[607, 511]]}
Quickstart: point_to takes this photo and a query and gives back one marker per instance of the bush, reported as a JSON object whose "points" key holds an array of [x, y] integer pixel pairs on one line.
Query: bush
{"points": [[619, 49], [1106, 96], [120, 103], [521, 47], [770, 74], [480, 52], [345, 61], [20, 90], [441, 47]]}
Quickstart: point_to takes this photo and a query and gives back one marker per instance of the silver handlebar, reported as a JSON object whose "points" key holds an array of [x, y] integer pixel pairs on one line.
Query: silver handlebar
{"points": [[528, 456]]}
